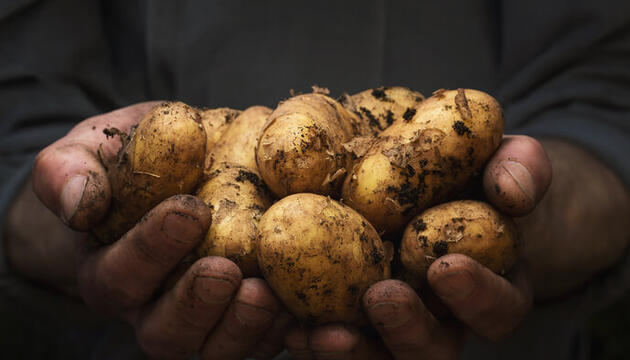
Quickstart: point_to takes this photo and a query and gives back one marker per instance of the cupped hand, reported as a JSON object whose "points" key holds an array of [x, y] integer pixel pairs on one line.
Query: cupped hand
{"points": [[176, 309], [469, 297]]}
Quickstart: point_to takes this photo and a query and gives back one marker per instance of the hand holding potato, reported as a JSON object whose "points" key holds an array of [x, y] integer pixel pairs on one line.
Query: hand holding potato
{"points": [[479, 300], [209, 309]]}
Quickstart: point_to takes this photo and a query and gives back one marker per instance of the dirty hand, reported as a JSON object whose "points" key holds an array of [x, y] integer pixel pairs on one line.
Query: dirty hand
{"points": [[209, 308], [464, 295]]}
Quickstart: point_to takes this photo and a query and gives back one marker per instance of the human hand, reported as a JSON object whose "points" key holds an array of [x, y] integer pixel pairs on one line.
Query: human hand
{"points": [[210, 309], [464, 295]]}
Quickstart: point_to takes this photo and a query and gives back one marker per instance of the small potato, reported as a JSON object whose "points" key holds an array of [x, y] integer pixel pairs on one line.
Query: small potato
{"points": [[301, 148], [425, 159], [215, 122], [381, 107], [238, 142], [472, 228], [319, 256], [160, 158], [238, 198]]}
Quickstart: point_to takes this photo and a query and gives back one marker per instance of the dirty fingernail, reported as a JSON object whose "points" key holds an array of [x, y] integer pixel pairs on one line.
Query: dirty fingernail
{"points": [[214, 290], [250, 315], [389, 314], [455, 286], [182, 227], [521, 177], [71, 196]]}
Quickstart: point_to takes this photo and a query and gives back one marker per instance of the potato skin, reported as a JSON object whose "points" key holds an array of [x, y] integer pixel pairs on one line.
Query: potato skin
{"points": [[381, 107], [301, 148], [468, 227], [319, 256], [238, 142], [162, 157], [215, 122], [238, 198], [426, 159]]}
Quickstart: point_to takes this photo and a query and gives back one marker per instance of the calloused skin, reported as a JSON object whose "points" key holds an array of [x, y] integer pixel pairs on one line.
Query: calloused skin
{"points": [[179, 308]]}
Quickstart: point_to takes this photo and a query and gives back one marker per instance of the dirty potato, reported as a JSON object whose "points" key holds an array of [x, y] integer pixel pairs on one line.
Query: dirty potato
{"points": [[160, 158], [301, 148], [215, 122], [237, 197], [381, 107], [426, 158], [472, 228], [320, 256], [238, 142]]}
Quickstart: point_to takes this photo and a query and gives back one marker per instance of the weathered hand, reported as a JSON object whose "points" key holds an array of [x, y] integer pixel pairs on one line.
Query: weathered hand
{"points": [[176, 308], [469, 296]]}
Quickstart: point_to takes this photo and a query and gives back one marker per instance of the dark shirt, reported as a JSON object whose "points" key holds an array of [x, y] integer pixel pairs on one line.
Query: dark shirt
{"points": [[559, 68]]}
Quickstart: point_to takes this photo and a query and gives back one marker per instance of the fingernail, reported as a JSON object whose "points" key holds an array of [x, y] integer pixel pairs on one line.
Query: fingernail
{"points": [[182, 227], [389, 314], [214, 290], [250, 315], [456, 285], [71, 196], [521, 177]]}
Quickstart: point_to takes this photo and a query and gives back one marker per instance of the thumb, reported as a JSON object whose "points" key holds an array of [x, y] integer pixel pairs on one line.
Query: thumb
{"points": [[73, 184], [68, 176], [518, 175]]}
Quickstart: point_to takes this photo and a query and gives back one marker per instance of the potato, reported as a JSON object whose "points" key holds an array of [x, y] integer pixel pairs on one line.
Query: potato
{"points": [[472, 228], [380, 107], [238, 198], [215, 122], [424, 159], [238, 142], [160, 158], [320, 256], [301, 148]]}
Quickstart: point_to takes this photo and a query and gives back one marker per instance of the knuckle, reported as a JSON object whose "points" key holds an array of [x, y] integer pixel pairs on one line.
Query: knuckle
{"points": [[116, 294], [152, 254]]}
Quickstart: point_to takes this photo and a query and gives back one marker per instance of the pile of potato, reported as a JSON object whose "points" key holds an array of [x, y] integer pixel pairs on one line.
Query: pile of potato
{"points": [[304, 194]]}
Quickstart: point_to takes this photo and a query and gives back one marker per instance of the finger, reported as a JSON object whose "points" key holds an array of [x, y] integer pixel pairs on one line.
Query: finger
{"points": [[406, 327], [180, 269], [272, 342], [518, 175], [245, 322], [337, 341], [73, 184], [177, 325], [91, 132], [296, 342], [68, 176], [127, 273], [486, 302]]}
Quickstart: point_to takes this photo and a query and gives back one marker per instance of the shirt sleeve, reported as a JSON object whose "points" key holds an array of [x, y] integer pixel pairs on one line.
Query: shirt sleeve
{"points": [[566, 74], [54, 72]]}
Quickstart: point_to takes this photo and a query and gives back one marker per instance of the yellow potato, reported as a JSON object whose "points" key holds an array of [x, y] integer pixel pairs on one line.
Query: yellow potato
{"points": [[238, 198], [215, 122], [381, 107], [160, 158], [301, 148], [238, 142], [425, 159], [320, 256], [472, 228]]}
